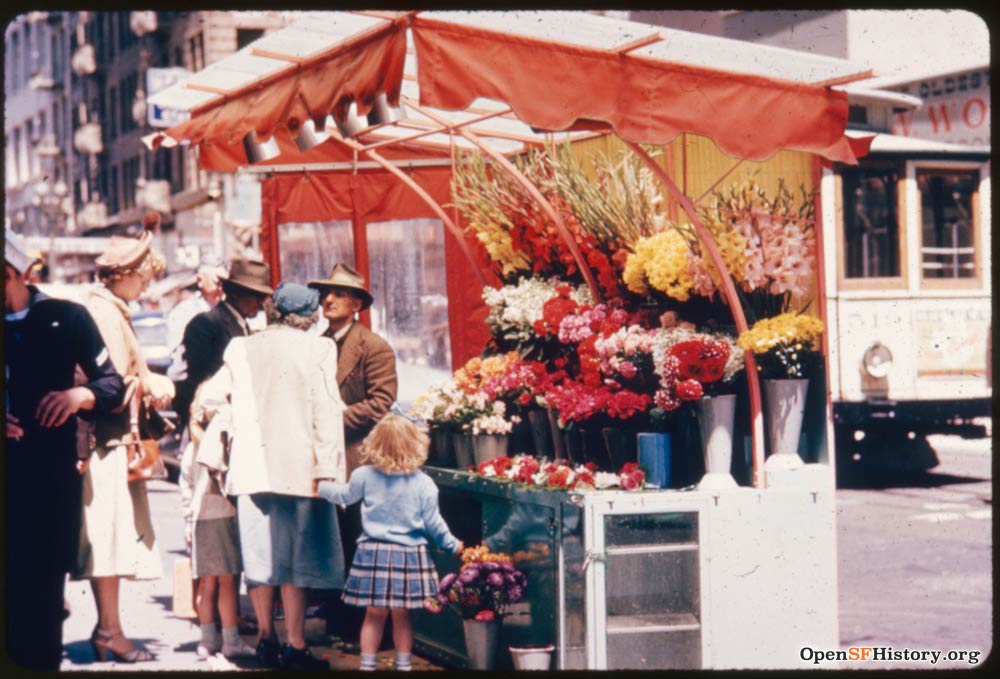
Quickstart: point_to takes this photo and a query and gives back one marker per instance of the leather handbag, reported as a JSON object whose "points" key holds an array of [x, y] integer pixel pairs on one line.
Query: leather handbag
{"points": [[144, 461]]}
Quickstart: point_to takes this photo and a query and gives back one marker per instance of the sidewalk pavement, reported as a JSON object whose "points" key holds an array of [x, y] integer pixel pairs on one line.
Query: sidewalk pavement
{"points": [[148, 620]]}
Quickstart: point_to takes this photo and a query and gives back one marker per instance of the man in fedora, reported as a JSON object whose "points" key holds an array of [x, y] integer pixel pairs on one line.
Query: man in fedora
{"points": [[207, 335], [45, 340], [366, 374]]}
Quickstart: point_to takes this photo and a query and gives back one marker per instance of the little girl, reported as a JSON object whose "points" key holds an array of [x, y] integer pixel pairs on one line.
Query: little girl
{"points": [[392, 569], [212, 536]]}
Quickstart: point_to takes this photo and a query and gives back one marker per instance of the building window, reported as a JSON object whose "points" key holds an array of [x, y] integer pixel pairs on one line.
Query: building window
{"points": [[114, 205], [28, 56], [948, 246], [245, 36], [113, 117], [23, 170], [15, 61], [10, 161], [196, 51], [871, 222]]}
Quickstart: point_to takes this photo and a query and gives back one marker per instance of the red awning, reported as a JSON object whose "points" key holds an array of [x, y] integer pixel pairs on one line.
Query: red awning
{"points": [[558, 86]]}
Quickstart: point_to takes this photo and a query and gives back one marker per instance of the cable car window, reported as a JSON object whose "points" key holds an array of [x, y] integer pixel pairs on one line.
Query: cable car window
{"points": [[871, 222], [948, 248]]}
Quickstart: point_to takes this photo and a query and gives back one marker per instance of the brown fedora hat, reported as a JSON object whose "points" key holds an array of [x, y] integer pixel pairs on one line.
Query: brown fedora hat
{"points": [[343, 276], [252, 275]]}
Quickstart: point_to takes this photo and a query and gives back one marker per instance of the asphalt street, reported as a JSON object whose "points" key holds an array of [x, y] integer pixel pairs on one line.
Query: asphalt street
{"points": [[915, 559]]}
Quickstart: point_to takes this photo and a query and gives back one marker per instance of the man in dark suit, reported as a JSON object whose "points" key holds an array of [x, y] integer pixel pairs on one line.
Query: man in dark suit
{"points": [[45, 340], [366, 373], [207, 335]]}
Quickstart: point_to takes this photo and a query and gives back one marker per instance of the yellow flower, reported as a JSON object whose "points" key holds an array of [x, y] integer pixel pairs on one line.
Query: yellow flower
{"points": [[661, 261], [786, 329]]}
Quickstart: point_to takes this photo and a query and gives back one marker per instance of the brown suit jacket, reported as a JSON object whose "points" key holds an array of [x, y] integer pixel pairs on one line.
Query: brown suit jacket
{"points": [[366, 373]]}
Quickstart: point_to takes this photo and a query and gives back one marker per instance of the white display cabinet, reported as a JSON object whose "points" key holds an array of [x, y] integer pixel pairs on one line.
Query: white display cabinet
{"points": [[656, 579], [739, 578]]}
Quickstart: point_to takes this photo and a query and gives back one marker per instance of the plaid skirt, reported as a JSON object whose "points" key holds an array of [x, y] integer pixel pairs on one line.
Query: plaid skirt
{"points": [[387, 575]]}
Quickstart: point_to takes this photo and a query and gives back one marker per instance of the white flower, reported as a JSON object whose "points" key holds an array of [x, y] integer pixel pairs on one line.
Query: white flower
{"points": [[604, 480]]}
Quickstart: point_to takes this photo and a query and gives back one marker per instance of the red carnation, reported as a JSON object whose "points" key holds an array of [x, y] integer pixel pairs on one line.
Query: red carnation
{"points": [[689, 390]]}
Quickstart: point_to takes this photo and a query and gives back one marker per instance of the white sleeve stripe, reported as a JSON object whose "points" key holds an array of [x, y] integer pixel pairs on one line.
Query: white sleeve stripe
{"points": [[102, 357]]}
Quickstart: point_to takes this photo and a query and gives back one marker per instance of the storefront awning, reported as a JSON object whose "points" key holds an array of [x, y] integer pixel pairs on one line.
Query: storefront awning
{"points": [[556, 71]]}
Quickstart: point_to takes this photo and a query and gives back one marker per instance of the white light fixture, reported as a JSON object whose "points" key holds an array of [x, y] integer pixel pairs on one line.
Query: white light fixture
{"points": [[352, 124], [384, 114], [257, 150], [312, 134]]}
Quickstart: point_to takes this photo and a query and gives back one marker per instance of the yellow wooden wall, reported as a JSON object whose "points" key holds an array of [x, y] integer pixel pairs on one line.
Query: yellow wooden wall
{"points": [[695, 163]]}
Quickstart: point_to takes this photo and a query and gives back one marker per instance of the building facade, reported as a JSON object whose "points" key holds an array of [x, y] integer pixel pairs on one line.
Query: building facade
{"points": [[76, 168]]}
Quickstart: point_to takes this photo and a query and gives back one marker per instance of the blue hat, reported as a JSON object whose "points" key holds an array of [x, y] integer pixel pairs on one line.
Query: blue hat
{"points": [[292, 298]]}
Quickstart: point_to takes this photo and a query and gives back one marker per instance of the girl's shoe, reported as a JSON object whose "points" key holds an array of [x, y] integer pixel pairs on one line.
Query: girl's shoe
{"points": [[115, 646], [206, 651], [238, 650]]}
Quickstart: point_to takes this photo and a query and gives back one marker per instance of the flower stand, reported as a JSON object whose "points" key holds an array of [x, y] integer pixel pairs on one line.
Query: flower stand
{"points": [[716, 417], [481, 640], [784, 406], [532, 657]]}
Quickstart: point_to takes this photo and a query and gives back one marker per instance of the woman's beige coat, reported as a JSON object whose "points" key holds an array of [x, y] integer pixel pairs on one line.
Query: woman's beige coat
{"points": [[287, 414]]}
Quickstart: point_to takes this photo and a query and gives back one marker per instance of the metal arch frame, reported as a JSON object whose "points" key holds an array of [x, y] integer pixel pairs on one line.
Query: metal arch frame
{"points": [[424, 196], [732, 300], [528, 186]]}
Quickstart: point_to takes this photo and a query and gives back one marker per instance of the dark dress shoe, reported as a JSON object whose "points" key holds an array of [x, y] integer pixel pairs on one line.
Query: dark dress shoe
{"points": [[268, 654], [301, 659]]}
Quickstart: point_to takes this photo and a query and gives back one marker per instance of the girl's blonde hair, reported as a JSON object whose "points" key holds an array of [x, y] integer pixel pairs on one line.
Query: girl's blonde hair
{"points": [[395, 445]]}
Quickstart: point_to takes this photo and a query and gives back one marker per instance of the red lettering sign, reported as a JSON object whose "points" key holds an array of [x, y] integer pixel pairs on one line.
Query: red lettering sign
{"points": [[977, 118], [943, 109], [902, 126]]}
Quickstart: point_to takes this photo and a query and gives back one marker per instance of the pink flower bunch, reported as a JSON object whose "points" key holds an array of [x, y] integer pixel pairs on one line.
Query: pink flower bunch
{"points": [[575, 401], [518, 384], [625, 352], [590, 320]]}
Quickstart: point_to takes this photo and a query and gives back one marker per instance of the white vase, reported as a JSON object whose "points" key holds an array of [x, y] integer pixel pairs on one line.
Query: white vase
{"points": [[532, 657], [784, 407], [485, 447], [481, 639], [716, 416]]}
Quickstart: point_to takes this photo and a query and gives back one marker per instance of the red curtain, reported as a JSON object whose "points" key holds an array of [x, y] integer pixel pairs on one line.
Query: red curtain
{"points": [[378, 196]]}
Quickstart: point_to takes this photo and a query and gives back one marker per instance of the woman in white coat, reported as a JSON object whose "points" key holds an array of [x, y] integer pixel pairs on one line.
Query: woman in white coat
{"points": [[287, 431]]}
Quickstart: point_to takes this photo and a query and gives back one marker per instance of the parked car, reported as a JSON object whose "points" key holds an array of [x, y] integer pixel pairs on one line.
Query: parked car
{"points": [[151, 329]]}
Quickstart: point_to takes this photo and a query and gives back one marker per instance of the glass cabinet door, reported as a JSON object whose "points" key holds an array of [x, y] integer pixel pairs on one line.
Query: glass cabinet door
{"points": [[649, 583]]}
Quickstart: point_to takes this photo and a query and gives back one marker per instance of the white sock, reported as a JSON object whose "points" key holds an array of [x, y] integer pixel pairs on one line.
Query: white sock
{"points": [[403, 661], [367, 662], [231, 635], [210, 637]]}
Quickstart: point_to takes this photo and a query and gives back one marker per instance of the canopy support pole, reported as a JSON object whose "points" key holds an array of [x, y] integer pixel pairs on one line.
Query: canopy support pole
{"points": [[733, 301], [532, 190], [426, 197]]}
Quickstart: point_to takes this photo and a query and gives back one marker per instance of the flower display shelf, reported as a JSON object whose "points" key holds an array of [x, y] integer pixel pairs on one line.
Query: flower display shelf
{"points": [[651, 579]]}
